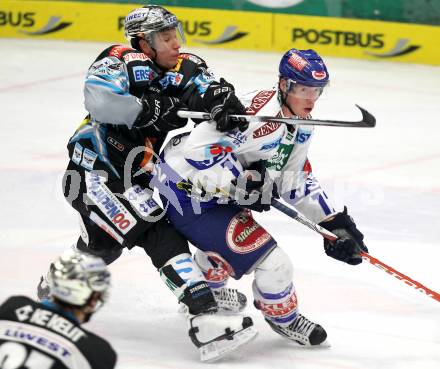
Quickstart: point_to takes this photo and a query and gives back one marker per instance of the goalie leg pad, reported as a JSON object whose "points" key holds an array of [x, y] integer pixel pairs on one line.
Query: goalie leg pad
{"points": [[217, 335]]}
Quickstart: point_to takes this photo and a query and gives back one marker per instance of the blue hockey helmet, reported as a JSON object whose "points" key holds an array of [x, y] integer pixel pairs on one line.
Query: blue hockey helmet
{"points": [[304, 67]]}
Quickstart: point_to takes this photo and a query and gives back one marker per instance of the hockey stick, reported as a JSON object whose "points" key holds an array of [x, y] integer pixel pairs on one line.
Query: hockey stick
{"points": [[367, 257], [367, 121]]}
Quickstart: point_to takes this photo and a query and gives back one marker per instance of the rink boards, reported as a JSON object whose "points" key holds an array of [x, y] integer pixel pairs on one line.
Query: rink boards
{"points": [[227, 29]]}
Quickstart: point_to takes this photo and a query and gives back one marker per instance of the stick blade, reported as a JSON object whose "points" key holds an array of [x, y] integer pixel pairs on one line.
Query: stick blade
{"points": [[367, 119]]}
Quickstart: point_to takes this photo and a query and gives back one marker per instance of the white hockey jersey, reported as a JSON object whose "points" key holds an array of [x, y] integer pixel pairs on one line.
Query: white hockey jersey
{"points": [[206, 161]]}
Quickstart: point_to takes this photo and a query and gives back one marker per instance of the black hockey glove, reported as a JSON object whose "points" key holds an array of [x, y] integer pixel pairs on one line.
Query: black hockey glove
{"points": [[160, 112], [220, 101], [350, 243], [261, 191]]}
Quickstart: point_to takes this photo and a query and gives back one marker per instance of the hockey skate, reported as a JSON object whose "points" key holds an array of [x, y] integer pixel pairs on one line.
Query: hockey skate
{"points": [[229, 300], [217, 335], [303, 331]]}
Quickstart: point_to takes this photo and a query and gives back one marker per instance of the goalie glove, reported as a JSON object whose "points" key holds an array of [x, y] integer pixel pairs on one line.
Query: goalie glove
{"points": [[350, 243], [160, 112], [220, 101]]}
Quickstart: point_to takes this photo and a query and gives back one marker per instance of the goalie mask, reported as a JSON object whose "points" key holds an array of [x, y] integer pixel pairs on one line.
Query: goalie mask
{"points": [[149, 23], [75, 276]]}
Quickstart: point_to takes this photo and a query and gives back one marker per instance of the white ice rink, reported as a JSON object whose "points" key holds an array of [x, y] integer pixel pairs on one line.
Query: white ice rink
{"points": [[389, 177]]}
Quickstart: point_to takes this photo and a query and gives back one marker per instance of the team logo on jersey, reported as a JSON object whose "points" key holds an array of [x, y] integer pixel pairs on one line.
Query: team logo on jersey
{"points": [[245, 235], [128, 58], [259, 101], [266, 129], [142, 73]]}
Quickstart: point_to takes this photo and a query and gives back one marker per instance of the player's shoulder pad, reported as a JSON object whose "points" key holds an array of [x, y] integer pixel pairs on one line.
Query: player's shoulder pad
{"points": [[124, 53], [17, 300], [192, 57], [255, 101], [99, 349]]}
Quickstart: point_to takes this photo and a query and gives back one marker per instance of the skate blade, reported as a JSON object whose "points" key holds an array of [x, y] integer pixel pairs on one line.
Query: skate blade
{"points": [[322, 345], [218, 349]]}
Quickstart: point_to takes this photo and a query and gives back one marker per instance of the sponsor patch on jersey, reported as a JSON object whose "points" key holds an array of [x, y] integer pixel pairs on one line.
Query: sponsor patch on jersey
{"points": [[266, 129], [142, 73], [302, 135], [141, 199], [280, 159], [89, 158], [77, 153], [259, 101], [118, 50], [108, 203], [297, 62], [271, 145], [130, 57], [115, 143], [245, 235], [171, 78], [202, 81]]}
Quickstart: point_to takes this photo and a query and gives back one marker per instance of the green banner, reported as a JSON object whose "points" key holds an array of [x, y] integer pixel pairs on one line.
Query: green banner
{"points": [[408, 11]]}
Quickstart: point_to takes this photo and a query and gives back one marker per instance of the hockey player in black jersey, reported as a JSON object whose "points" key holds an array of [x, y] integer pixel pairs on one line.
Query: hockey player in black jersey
{"points": [[49, 334], [133, 95]]}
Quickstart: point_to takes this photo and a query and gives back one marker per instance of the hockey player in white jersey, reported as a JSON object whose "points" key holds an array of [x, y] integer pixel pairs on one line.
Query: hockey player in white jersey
{"points": [[219, 177]]}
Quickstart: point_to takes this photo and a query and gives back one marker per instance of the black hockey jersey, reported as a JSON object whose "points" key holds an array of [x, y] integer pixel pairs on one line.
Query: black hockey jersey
{"points": [[37, 336], [115, 82]]}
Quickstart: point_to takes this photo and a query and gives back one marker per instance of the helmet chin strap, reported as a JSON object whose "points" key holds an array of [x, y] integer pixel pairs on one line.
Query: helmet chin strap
{"points": [[283, 100]]}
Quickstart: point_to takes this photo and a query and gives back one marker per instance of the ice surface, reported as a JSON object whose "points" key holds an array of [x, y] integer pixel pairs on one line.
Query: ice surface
{"points": [[388, 176]]}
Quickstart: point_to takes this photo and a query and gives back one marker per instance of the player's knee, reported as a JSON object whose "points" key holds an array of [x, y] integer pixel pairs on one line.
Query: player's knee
{"points": [[273, 289], [109, 255], [214, 267], [275, 272]]}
